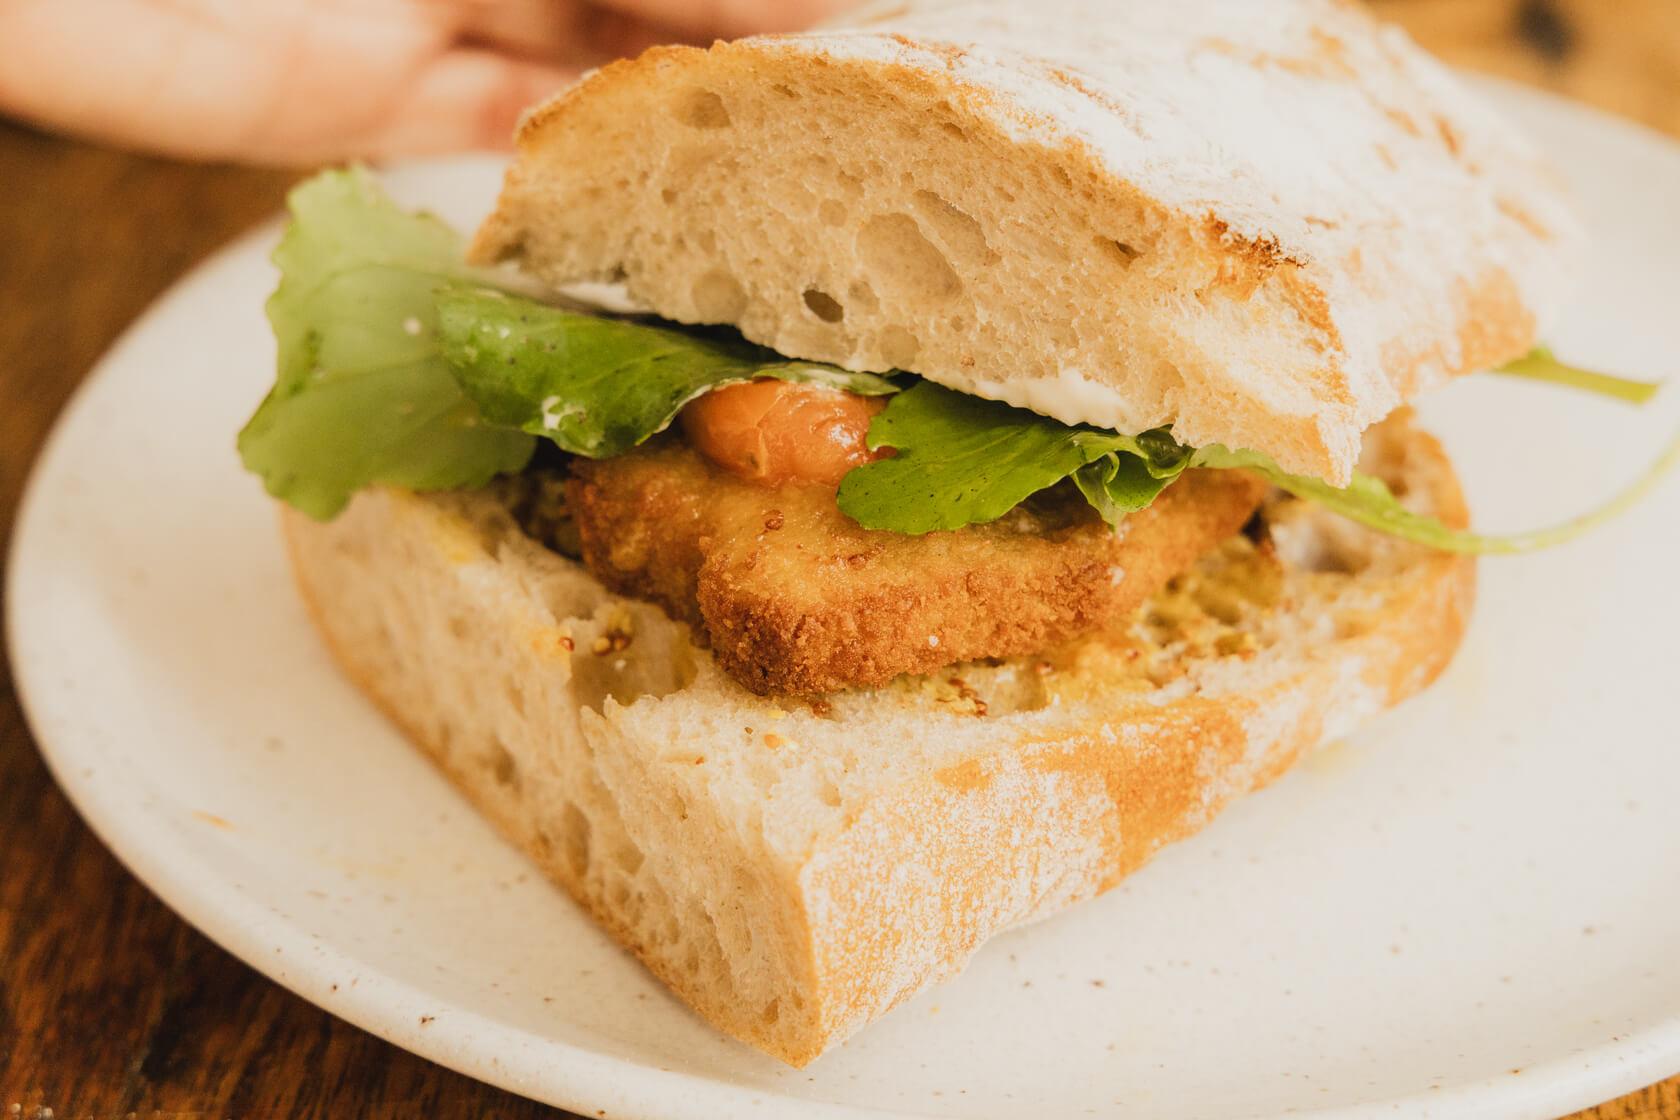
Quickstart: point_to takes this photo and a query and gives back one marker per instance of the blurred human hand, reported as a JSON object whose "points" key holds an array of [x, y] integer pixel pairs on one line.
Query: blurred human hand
{"points": [[311, 81]]}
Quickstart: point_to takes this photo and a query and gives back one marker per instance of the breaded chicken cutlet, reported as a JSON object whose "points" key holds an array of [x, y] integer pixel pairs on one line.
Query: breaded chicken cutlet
{"points": [[795, 597]]}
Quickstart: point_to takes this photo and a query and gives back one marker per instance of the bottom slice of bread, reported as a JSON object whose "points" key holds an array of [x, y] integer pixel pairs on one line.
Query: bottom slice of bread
{"points": [[794, 868]]}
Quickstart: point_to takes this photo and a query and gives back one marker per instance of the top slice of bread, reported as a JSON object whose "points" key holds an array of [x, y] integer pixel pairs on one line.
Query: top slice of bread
{"points": [[793, 870], [1266, 224]]}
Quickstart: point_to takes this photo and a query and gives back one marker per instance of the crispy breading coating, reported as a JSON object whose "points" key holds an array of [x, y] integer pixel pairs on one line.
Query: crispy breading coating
{"points": [[795, 597]]}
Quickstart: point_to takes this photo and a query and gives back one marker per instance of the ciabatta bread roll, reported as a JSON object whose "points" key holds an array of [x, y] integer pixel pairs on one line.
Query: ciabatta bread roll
{"points": [[1266, 224]]}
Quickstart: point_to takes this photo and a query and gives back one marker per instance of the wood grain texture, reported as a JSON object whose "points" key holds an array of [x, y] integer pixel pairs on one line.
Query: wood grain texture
{"points": [[1620, 55], [110, 1006]]}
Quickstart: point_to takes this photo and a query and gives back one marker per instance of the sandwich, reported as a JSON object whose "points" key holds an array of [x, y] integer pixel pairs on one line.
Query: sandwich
{"points": [[864, 490]]}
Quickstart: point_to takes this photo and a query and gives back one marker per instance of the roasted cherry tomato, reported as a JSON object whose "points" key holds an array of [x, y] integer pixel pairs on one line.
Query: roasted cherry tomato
{"points": [[780, 432]]}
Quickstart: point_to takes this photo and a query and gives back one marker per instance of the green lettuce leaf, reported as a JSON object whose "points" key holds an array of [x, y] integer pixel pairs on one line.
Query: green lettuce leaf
{"points": [[1118, 484], [1541, 364], [363, 394], [1369, 501], [960, 460], [599, 386], [963, 461]]}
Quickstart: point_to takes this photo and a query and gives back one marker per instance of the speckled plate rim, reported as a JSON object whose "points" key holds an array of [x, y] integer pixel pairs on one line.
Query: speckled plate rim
{"points": [[559, 1073]]}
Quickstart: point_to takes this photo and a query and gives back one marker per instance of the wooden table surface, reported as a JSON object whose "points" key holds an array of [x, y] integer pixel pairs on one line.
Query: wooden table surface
{"points": [[110, 1006]]}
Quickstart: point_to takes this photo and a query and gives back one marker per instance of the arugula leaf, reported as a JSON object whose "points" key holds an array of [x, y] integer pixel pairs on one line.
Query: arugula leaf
{"points": [[1119, 484], [1540, 364], [362, 393], [599, 386], [1369, 501], [962, 461]]}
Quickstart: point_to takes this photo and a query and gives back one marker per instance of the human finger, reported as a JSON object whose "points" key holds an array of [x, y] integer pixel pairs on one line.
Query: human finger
{"points": [[463, 99], [280, 83], [567, 32], [726, 18]]}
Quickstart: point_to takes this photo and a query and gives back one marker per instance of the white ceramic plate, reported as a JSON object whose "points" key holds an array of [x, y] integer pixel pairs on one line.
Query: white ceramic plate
{"points": [[1468, 910]]}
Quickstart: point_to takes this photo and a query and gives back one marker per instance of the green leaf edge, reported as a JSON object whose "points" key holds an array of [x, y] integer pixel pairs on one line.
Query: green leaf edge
{"points": [[773, 367], [358, 180], [1540, 364], [1366, 500]]}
